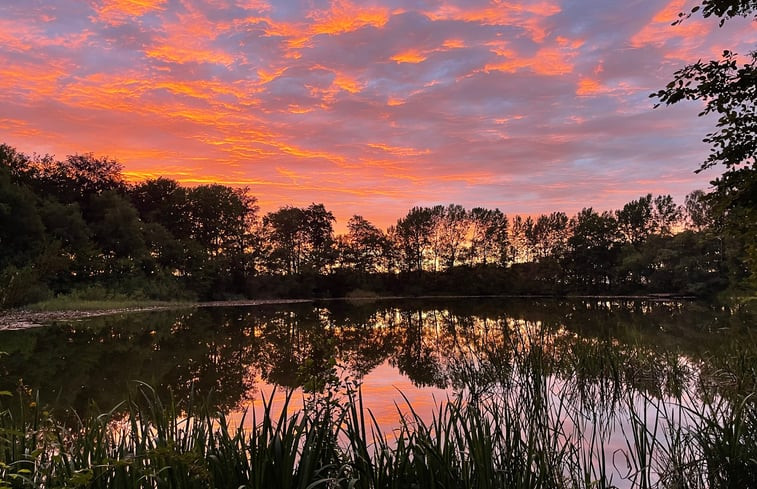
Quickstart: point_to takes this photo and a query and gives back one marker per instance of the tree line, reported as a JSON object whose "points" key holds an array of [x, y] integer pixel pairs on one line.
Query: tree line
{"points": [[76, 226]]}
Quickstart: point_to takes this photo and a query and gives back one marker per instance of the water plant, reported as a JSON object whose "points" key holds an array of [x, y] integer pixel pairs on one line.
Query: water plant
{"points": [[524, 434]]}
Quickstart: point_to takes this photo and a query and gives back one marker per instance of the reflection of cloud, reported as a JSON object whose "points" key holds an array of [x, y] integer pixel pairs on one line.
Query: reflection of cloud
{"points": [[369, 107]]}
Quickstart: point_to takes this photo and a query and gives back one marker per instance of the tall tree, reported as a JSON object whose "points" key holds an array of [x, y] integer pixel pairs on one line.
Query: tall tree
{"points": [[593, 248], [300, 239], [698, 211], [165, 202], [451, 229], [79, 177], [667, 215], [118, 233], [221, 218], [366, 246], [728, 89], [285, 235], [319, 229], [635, 222], [548, 235], [489, 236], [414, 236], [521, 247], [22, 232]]}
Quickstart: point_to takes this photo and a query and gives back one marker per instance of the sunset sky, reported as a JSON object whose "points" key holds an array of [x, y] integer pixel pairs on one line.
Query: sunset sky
{"points": [[369, 107]]}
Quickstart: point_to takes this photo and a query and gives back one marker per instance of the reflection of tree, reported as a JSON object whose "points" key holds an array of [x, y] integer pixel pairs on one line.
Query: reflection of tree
{"points": [[594, 347], [300, 348], [95, 360], [416, 358], [364, 348]]}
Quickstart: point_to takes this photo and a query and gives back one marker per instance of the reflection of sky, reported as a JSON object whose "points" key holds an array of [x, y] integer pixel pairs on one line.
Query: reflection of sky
{"points": [[383, 389], [530, 106], [603, 429]]}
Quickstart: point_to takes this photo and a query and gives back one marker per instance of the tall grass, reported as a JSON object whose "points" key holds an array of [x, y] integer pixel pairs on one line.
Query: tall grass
{"points": [[527, 429]]}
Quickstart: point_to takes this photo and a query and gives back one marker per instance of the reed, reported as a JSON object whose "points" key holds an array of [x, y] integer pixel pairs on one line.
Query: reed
{"points": [[533, 431]]}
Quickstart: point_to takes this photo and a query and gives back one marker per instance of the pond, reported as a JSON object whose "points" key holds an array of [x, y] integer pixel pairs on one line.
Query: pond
{"points": [[617, 370]]}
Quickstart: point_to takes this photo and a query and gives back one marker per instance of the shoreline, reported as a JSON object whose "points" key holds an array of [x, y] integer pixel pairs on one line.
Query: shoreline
{"points": [[24, 319]]}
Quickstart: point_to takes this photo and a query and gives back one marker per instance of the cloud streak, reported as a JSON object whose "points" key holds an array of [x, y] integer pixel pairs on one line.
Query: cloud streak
{"points": [[369, 107]]}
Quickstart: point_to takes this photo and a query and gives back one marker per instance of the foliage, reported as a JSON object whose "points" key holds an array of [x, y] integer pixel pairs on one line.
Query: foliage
{"points": [[725, 9], [76, 225], [301, 240], [728, 88]]}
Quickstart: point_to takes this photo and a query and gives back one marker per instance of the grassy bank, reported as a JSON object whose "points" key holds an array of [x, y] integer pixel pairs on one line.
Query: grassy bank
{"points": [[69, 304], [95, 298]]}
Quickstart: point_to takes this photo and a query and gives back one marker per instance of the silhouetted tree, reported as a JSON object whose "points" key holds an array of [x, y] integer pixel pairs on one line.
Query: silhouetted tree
{"points": [[451, 226], [117, 232], [413, 233], [698, 211], [22, 233], [548, 235], [366, 246], [489, 240], [635, 222], [300, 238], [78, 178], [728, 88], [285, 235], [521, 247], [592, 248], [163, 201], [666, 216], [319, 231]]}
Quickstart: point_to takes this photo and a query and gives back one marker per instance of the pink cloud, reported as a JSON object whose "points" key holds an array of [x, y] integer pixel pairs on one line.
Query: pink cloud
{"points": [[368, 107]]}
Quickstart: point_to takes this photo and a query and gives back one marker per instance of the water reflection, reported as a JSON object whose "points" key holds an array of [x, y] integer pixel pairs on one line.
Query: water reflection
{"points": [[600, 348]]}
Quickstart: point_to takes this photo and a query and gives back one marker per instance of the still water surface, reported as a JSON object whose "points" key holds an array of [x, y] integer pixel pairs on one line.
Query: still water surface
{"points": [[422, 348], [595, 355]]}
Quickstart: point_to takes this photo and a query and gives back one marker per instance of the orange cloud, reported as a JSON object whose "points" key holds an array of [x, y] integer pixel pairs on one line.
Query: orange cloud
{"points": [[658, 32], [116, 12], [344, 16], [259, 5], [176, 52], [398, 150], [670, 12], [347, 83], [588, 86], [548, 60], [15, 37], [409, 56], [32, 81], [530, 16], [453, 44], [266, 76], [189, 40], [296, 109]]}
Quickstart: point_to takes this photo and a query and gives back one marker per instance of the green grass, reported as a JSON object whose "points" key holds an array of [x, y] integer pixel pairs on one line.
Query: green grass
{"points": [[65, 304], [74, 303], [99, 298]]}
